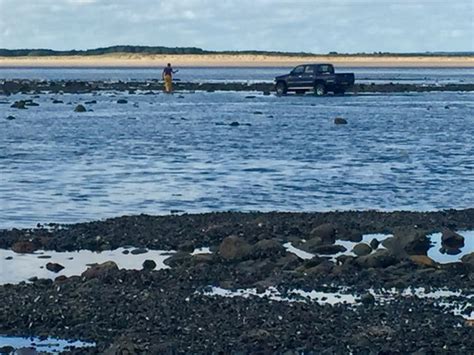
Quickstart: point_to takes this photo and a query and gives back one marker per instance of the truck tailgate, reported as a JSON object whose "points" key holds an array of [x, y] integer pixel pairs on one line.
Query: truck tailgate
{"points": [[345, 78]]}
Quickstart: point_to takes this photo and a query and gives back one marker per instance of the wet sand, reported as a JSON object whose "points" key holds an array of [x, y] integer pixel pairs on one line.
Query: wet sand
{"points": [[222, 60]]}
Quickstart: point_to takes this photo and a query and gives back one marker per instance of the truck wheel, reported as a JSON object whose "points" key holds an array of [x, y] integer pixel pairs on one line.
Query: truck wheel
{"points": [[319, 90], [281, 88]]}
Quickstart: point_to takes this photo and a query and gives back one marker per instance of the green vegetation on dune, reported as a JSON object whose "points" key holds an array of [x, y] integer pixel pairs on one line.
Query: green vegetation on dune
{"points": [[193, 50]]}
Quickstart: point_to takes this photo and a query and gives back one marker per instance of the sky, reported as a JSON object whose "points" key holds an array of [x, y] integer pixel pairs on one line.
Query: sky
{"points": [[318, 26]]}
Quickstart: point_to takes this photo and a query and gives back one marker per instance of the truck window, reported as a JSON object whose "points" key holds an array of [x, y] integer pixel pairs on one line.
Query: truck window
{"points": [[325, 69], [309, 69], [298, 70]]}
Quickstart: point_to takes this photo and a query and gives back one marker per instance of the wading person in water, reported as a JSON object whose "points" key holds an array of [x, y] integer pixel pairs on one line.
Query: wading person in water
{"points": [[168, 78]]}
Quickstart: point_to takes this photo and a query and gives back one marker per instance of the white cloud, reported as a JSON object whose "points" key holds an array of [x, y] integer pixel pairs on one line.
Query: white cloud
{"points": [[303, 25]]}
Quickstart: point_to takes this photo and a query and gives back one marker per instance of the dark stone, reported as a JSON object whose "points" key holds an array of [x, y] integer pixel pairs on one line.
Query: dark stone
{"points": [[340, 120], [139, 251], [100, 270], [54, 267], [234, 248], [149, 265], [362, 249], [19, 105], [93, 102], [10, 118], [9, 258], [374, 243], [451, 239], [187, 246], [80, 108], [7, 349], [408, 242], [126, 252], [267, 248], [468, 260], [250, 97], [378, 259], [326, 232], [24, 247], [367, 299], [122, 101], [57, 102], [178, 259], [258, 113], [235, 124]]}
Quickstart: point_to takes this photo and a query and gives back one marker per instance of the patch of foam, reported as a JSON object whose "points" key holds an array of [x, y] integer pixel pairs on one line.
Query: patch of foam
{"points": [[441, 258], [298, 252], [320, 297], [24, 266], [49, 345], [205, 250]]}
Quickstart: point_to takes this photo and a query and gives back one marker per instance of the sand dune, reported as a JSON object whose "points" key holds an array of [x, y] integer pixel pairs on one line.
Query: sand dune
{"points": [[131, 60]]}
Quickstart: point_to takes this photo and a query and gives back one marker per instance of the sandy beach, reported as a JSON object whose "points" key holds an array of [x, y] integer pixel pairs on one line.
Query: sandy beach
{"points": [[222, 60]]}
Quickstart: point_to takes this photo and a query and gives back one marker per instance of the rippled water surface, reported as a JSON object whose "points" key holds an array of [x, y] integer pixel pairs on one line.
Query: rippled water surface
{"points": [[226, 74], [160, 153]]}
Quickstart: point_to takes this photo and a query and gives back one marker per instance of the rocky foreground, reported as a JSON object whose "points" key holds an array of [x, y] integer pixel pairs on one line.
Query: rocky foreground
{"points": [[168, 311], [8, 87]]}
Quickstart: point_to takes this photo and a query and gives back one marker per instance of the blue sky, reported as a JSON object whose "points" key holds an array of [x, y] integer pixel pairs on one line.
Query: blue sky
{"points": [[287, 25]]}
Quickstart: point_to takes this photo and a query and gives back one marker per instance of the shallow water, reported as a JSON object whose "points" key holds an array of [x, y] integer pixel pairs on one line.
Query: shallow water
{"points": [[22, 267], [226, 74], [162, 153], [49, 345]]}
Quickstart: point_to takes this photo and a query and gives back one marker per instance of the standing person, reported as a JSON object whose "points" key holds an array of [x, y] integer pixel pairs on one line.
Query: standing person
{"points": [[168, 78]]}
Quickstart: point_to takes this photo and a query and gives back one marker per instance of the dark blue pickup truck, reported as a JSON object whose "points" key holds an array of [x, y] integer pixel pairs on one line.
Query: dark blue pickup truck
{"points": [[317, 77]]}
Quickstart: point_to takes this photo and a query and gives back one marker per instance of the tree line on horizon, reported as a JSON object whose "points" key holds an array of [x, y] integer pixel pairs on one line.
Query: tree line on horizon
{"points": [[194, 50]]}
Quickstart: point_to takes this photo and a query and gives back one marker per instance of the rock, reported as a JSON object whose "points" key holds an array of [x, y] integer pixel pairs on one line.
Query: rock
{"points": [[203, 259], [149, 265], [31, 103], [451, 239], [234, 248], [250, 97], [9, 258], [266, 93], [423, 260], [340, 120], [57, 102], [362, 249], [378, 259], [367, 299], [235, 124], [374, 243], [26, 351], [54, 267], [10, 118], [100, 270], [258, 113], [327, 233], [187, 246], [24, 247], [19, 105], [60, 279], [122, 101], [408, 242], [93, 102], [139, 251], [468, 260], [267, 248], [80, 108], [328, 249], [7, 349]]}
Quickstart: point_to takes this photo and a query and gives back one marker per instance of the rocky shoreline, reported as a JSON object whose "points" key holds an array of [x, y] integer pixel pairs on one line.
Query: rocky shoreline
{"points": [[167, 311], [9, 87]]}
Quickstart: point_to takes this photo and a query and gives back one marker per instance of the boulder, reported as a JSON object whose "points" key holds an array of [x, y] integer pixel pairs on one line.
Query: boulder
{"points": [[24, 247], [327, 233], [374, 243], [234, 248], [19, 105], [451, 239], [149, 265], [122, 101], [468, 260], [367, 299], [100, 270], [267, 248], [379, 259], [80, 108], [340, 120], [408, 242], [54, 267], [362, 249]]}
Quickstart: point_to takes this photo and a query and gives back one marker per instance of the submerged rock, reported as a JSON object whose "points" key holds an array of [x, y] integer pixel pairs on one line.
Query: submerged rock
{"points": [[54, 267], [340, 120], [80, 108], [122, 101], [10, 118]]}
